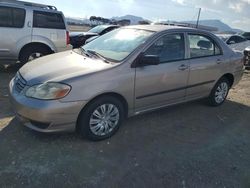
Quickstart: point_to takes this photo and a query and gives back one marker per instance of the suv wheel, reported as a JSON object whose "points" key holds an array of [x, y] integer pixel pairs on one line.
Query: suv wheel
{"points": [[33, 52], [219, 93], [101, 119]]}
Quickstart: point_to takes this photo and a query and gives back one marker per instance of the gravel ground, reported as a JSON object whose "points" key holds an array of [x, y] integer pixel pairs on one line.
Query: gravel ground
{"points": [[188, 146]]}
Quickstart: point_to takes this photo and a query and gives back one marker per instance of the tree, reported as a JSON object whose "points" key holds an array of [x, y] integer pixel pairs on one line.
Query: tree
{"points": [[123, 22], [92, 19]]}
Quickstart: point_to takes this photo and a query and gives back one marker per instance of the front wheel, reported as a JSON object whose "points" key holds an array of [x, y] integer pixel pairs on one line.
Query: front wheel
{"points": [[101, 119], [219, 93]]}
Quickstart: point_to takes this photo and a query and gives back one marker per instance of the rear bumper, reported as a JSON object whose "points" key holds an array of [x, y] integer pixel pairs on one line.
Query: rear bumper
{"points": [[43, 115], [68, 47]]}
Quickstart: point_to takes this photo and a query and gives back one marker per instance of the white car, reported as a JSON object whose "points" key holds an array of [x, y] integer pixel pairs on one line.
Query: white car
{"points": [[236, 42]]}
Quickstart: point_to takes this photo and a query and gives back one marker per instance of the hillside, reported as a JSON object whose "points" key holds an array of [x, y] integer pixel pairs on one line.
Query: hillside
{"points": [[222, 27]]}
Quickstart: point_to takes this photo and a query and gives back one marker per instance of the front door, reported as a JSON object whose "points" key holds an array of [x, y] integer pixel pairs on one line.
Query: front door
{"points": [[165, 83]]}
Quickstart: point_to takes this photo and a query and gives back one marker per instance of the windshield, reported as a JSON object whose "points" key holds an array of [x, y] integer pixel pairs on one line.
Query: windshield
{"points": [[118, 44], [97, 29]]}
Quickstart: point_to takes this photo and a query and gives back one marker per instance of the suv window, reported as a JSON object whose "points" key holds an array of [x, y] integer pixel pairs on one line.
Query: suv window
{"points": [[169, 48], [48, 20], [12, 17], [202, 46]]}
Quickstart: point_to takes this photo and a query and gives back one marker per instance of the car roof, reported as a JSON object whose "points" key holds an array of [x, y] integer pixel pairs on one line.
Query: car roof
{"points": [[30, 5], [106, 26], [158, 28], [229, 35]]}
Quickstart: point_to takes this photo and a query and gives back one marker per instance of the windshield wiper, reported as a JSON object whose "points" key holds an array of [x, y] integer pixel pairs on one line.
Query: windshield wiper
{"points": [[84, 52], [98, 55]]}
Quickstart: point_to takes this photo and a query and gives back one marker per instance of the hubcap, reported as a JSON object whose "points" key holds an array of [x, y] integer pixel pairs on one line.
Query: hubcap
{"points": [[221, 92], [34, 56], [104, 119]]}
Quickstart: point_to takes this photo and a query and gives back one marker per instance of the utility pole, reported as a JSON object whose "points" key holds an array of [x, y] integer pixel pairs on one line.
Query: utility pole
{"points": [[198, 19]]}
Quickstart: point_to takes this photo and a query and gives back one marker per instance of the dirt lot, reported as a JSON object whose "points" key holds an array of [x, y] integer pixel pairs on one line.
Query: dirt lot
{"points": [[190, 145]]}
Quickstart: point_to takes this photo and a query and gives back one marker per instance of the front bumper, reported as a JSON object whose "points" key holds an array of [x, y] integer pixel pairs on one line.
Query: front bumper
{"points": [[45, 115]]}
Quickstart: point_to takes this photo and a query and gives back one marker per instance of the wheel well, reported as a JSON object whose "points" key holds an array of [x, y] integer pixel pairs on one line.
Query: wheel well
{"points": [[230, 78], [34, 44], [116, 95]]}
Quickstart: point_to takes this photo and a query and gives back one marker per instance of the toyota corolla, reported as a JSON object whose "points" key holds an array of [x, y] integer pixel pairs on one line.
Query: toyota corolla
{"points": [[126, 72]]}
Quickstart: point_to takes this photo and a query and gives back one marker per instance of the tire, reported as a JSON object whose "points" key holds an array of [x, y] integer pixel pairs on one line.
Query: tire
{"points": [[219, 93], [35, 51], [101, 128]]}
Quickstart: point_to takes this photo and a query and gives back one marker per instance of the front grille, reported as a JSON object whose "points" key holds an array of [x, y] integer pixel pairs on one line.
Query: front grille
{"points": [[20, 82]]}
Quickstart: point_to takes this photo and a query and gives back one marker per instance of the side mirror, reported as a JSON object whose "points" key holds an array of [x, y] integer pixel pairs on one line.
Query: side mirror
{"points": [[231, 42], [146, 60]]}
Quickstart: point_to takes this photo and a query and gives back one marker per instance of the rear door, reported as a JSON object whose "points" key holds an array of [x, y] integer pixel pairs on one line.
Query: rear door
{"points": [[13, 29], [163, 84], [206, 64], [49, 26]]}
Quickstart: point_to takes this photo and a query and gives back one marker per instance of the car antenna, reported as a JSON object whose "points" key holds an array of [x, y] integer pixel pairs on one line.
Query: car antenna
{"points": [[198, 19]]}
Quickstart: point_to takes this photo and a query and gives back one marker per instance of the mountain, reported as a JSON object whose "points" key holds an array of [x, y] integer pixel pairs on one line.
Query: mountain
{"points": [[134, 19], [222, 27]]}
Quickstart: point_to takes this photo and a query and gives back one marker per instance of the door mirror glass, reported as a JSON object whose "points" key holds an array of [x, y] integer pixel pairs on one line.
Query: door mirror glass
{"points": [[146, 60]]}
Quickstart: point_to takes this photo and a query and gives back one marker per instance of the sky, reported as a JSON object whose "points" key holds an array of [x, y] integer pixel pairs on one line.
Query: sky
{"points": [[235, 13]]}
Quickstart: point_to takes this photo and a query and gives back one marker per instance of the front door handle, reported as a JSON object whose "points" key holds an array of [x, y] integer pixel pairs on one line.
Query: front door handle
{"points": [[29, 24], [183, 67]]}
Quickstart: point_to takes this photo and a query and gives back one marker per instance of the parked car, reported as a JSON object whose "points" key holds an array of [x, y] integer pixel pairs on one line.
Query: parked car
{"points": [[91, 39], [246, 35], [232, 39], [30, 30], [78, 39], [247, 57], [236, 42], [126, 72]]}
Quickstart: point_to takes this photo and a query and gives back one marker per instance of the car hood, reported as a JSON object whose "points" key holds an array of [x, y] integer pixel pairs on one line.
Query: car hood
{"points": [[61, 66], [240, 46]]}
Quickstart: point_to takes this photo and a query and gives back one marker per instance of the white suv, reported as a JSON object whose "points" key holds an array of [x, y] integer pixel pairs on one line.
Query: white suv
{"points": [[30, 30]]}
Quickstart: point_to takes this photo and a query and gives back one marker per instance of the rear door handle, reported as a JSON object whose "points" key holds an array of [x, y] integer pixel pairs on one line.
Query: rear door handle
{"points": [[183, 67]]}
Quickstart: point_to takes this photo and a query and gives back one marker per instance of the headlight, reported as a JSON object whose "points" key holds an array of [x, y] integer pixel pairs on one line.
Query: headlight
{"points": [[48, 91]]}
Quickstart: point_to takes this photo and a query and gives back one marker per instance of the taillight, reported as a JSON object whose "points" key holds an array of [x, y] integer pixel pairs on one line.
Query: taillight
{"points": [[67, 38]]}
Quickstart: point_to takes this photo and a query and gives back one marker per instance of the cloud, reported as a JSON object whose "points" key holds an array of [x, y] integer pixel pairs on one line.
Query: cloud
{"points": [[238, 6], [243, 23]]}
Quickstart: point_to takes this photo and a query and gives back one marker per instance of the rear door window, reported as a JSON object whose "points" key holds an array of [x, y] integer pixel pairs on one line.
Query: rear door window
{"points": [[12, 17], [202, 46], [48, 20]]}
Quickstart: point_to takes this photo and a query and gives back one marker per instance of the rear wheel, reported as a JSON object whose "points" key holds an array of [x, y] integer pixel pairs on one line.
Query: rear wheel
{"points": [[219, 93], [33, 52], [101, 119]]}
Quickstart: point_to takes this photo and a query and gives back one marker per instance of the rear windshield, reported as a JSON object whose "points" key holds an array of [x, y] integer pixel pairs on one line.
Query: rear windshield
{"points": [[97, 29], [48, 20], [12, 17]]}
